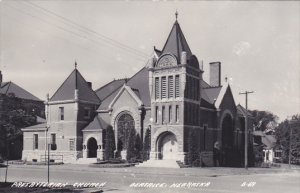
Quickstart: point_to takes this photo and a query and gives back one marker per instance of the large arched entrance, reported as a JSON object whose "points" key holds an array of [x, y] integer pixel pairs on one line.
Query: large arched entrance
{"points": [[92, 147], [228, 141], [167, 146]]}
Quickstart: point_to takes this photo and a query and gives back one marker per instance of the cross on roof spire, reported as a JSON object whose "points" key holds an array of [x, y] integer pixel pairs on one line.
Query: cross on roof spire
{"points": [[75, 64], [176, 14]]}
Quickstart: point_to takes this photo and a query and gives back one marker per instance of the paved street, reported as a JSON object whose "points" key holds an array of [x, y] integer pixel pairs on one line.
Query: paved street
{"points": [[120, 179]]}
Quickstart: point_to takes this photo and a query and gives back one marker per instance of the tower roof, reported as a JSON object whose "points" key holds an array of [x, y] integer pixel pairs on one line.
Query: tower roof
{"points": [[176, 42], [75, 81]]}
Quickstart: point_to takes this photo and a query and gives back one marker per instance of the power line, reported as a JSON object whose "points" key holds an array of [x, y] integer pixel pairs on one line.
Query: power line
{"points": [[75, 34], [97, 43], [103, 37]]}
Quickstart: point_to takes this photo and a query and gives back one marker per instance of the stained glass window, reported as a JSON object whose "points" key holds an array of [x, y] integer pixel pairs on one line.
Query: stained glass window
{"points": [[125, 125]]}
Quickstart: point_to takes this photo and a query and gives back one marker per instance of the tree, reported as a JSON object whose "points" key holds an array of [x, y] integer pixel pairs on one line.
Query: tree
{"points": [[147, 144], [264, 121], [109, 143], [286, 139], [13, 117], [131, 151], [194, 148], [138, 146]]}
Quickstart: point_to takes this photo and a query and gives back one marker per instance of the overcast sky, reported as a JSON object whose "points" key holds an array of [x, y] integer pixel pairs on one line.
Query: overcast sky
{"points": [[257, 43]]}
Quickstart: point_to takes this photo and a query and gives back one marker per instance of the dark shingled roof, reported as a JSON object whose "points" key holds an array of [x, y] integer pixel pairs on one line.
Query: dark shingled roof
{"points": [[39, 126], [204, 84], [211, 94], [139, 83], [75, 81], [176, 42], [97, 124], [107, 89], [10, 87]]}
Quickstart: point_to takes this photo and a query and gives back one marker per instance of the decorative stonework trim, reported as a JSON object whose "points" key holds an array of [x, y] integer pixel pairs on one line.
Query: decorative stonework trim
{"points": [[35, 129], [226, 112], [134, 113], [103, 111], [192, 101], [91, 130], [70, 101], [131, 93], [167, 60], [166, 129], [207, 109], [91, 135]]}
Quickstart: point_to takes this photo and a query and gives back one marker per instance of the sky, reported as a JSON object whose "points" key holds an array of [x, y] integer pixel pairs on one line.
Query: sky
{"points": [[257, 42]]}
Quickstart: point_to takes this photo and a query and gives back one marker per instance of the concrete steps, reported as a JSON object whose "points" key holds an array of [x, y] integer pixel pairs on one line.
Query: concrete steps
{"points": [[159, 164], [86, 160]]}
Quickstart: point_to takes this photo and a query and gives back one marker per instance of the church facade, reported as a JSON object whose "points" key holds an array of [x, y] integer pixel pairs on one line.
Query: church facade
{"points": [[166, 104]]}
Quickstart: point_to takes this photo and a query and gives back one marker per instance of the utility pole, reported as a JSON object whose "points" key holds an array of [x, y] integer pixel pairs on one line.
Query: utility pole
{"points": [[246, 128]]}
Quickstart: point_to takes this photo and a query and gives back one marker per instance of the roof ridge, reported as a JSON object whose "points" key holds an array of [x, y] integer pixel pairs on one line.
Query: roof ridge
{"points": [[136, 73], [98, 89], [112, 92], [62, 84], [169, 36], [213, 87], [86, 83]]}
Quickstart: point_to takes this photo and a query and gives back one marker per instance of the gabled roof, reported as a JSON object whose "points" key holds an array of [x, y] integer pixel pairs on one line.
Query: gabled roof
{"points": [[139, 83], [107, 89], [134, 93], [176, 42], [222, 93], [211, 94], [269, 141], [204, 84], [242, 111], [41, 126], [10, 87], [97, 124], [67, 90]]}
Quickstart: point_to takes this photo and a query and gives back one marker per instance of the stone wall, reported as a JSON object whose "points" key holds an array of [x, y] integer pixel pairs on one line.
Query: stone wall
{"points": [[57, 156]]}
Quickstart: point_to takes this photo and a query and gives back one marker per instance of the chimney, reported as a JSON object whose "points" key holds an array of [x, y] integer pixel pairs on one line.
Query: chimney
{"points": [[215, 74], [1, 78], [90, 84]]}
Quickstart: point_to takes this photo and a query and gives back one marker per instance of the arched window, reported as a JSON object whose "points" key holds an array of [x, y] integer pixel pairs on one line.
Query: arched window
{"points": [[125, 124]]}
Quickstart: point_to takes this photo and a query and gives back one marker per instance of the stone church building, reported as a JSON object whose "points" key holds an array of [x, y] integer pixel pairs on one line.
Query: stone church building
{"points": [[168, 98]]}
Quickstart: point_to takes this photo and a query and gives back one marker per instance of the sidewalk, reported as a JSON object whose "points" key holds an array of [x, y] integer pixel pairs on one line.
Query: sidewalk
{"points": [[207, 171]]}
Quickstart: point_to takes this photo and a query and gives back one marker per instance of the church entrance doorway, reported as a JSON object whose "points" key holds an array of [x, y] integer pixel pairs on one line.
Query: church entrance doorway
{"points": [[92, 148], [167, 146]]}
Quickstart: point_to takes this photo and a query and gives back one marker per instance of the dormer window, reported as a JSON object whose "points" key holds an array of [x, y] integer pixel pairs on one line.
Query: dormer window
{"points": [[61, 113]]}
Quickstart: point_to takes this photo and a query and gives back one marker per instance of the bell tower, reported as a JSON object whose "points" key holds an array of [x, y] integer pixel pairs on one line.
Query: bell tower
{"points": [[174, 81]]}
